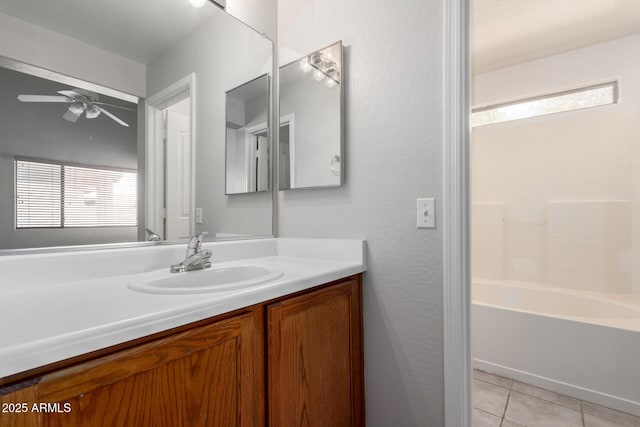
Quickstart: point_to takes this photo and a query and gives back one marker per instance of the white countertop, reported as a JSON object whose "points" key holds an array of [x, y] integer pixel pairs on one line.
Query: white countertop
{"points": [[49, 319]]}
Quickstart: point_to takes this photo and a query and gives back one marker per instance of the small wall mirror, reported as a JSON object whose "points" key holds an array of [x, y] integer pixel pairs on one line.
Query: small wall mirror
{"points": [[247, 138], [311, 142]]}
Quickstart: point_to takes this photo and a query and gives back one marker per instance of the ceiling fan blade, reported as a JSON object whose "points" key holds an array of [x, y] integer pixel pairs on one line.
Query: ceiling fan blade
{"points": [[87, 93], [69, 94], [108, 114], [42, 98], [114, 106], [71, 116]]}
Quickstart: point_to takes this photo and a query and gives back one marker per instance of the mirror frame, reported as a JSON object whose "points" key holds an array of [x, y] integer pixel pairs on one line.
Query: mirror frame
{"points": [[342, 120]]}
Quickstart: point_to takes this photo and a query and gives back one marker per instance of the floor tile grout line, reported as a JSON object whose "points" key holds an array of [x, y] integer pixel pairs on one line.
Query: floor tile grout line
{"points": [[581, 403], [504, 413], [550, 401]]}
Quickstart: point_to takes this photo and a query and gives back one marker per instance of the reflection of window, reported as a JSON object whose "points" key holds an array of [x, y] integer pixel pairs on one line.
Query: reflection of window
{"points": [[591, 96], [55, 195]]}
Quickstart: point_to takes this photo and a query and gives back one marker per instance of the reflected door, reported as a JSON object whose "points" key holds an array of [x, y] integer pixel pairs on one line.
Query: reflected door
{"points": [[178, 176], [262, 163]]}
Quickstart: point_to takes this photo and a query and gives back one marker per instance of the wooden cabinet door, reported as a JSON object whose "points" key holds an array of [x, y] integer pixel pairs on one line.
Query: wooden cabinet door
{"points": [[207, 376], [315, 358]]}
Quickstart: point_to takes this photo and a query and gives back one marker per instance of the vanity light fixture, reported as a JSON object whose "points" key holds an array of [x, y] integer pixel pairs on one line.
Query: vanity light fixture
{"points": [[305, 67], [323, 66], [198, 3]]}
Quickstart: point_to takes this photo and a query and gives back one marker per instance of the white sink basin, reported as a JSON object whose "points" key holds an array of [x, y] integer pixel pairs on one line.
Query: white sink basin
{"points": [[215, 279]]}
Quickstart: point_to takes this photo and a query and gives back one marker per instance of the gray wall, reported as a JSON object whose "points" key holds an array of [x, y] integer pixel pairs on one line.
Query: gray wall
{"points": [[316, 110], [38, 130], [224, 54], [47, 49], [393, 155]]}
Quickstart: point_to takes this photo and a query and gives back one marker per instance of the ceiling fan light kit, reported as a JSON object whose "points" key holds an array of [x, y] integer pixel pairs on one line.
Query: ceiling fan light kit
{"points": [[82, 101]]}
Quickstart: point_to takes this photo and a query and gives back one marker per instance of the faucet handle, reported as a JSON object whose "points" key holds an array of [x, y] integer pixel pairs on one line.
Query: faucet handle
{"points": [[195, 243]]}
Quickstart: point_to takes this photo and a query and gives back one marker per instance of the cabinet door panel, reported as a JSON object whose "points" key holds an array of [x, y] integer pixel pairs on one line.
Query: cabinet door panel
{"points": [[13, 402], [202, 377], [315, 360]]}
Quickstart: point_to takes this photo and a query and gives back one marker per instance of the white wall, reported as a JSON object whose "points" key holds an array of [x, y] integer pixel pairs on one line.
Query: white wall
{"points": [[31, 44], [260, 15], [568, 182], [393, 78], [224, 54]]}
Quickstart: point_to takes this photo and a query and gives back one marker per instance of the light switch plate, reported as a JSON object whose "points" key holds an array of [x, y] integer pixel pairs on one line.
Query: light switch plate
{"points": [[426, 213]]}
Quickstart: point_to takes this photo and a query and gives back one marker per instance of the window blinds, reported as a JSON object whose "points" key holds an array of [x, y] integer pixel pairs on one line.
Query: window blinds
{"points": [[59, 195]]}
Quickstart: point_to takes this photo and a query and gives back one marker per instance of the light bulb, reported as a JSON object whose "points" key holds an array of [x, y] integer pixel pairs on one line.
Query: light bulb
{"points": [[318, 75], [197, 3], [92, 112], [305, 67], [330, 83], [76, 108]]}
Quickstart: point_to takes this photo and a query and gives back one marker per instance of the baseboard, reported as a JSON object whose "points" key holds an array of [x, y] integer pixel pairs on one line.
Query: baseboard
{"points": [[610, 401]]}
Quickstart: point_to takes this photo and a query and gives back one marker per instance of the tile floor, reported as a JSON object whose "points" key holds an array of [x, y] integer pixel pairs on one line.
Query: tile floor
{"points": [[501, 402]]}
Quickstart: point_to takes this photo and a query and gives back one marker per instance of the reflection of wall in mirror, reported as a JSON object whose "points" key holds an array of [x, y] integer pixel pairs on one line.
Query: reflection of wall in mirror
{"points": [[234, 55], [37, 130], [317, 129], [32, 44], [236, 165]]}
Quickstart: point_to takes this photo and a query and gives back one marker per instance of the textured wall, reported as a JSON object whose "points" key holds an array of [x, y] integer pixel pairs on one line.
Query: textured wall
{"points": [[393, 155]]}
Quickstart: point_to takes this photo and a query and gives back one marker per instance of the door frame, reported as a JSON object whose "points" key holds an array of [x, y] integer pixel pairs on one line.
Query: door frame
{"points": [[456, 207], [154, 150], [289, 119], [250, 152]]}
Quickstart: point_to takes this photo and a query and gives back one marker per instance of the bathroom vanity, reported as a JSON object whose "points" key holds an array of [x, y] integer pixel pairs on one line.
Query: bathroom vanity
{"points": [[285, 352]]}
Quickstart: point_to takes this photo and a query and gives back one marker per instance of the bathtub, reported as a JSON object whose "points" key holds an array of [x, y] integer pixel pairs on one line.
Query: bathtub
{"points": [[579, 344]]}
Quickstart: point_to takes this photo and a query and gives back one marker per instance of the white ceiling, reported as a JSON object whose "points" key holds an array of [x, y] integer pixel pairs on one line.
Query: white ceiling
{"points": [[508, 32], [136, 29]]}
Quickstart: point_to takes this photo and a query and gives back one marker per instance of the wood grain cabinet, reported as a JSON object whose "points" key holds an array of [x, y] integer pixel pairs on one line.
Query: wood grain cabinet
{"points": [[207, 376], [307, 357], [315, 358]]}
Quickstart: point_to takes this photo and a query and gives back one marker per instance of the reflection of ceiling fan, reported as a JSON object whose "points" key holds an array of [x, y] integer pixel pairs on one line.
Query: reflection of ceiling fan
{"points": [[82, 101]]}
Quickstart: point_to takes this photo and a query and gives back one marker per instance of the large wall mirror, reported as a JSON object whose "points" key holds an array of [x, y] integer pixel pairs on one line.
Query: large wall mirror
{"points": [[113, 122], [311, 102]]}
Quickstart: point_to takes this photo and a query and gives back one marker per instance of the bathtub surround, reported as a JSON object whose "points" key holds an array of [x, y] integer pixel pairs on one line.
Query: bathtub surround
{"points": [[568, 183], [500, 401], [555, 203]]}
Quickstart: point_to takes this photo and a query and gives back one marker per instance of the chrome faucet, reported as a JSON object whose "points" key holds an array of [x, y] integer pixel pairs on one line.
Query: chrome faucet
{"points": [[196, 259], [153, 237]]}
